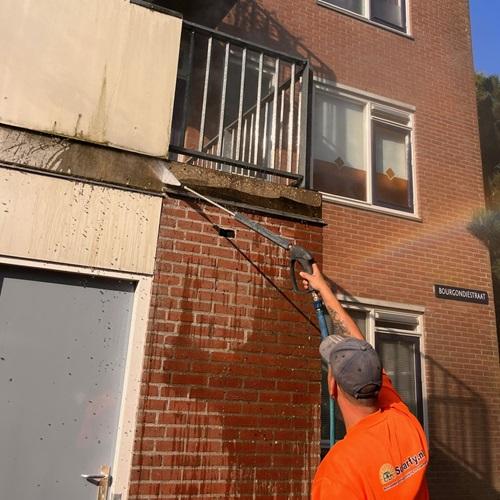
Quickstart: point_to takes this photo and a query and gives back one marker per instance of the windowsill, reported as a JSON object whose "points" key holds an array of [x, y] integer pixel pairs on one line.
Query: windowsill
{"points": [[370, 208], [364, 19], [363, 94], [383, 304]]}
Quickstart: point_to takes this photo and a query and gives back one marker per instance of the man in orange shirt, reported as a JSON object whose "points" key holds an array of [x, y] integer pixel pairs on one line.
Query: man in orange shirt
{"points": [[384, 454]]}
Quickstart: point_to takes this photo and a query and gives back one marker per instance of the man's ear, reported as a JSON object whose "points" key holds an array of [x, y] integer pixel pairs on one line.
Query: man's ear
{"points": [[332, 384]]}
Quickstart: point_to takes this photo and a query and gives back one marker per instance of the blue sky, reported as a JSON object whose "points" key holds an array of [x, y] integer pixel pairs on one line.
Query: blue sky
{"points": [[485, 22]]}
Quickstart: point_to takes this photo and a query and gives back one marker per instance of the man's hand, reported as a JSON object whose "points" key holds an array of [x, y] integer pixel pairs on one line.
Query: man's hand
{"points": [[316, 280], [342, 322]]}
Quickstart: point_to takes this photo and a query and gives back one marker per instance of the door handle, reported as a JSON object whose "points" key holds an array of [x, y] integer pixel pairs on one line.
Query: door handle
{"points": [[102, 480]]}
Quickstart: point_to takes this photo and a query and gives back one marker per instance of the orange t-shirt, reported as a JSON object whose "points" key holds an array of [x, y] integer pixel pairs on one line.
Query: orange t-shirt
{"points": [[384, 456]]}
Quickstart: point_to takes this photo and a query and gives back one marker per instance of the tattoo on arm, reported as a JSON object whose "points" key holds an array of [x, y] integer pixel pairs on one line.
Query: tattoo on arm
{"points": [[338, 324]]}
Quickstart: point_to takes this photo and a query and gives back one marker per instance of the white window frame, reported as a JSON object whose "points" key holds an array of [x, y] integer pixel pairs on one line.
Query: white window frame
{"points": [[415, 314], [366, 16], [372, 102]]}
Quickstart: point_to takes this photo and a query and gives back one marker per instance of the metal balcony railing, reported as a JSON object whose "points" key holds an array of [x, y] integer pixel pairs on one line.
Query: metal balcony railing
{"points": [[240, 107]]}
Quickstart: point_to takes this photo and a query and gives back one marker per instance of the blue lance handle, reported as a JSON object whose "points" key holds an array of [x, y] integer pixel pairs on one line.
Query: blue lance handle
{"points": [[320, 314]]}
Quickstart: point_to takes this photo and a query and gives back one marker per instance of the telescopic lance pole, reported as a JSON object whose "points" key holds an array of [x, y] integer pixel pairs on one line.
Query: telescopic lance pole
{"points": [[297, 253]]}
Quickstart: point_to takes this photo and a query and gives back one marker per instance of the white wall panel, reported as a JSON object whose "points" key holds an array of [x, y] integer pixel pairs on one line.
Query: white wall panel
{"points": [[102, 71], [68, 222]]}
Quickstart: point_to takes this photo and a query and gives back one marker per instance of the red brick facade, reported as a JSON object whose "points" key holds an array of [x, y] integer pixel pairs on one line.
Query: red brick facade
{"points": [[231, 387]]}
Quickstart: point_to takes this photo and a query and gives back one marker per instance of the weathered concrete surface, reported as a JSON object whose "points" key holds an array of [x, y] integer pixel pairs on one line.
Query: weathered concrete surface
{"points": [[99, 71], [86, 161], [76, 223], [110, 166], [256, 193]]}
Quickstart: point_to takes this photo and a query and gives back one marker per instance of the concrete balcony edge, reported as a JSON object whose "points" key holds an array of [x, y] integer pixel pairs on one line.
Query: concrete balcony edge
{"points": [[251, 193]]}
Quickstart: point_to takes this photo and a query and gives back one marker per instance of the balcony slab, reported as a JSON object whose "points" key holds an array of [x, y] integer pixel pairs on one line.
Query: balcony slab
{"points": [[249, 192]]}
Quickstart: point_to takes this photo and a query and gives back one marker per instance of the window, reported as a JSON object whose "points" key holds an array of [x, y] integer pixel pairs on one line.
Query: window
{"points": [[357, 6], [396, 337], [397, 341], [390, 13], [362, 150]]}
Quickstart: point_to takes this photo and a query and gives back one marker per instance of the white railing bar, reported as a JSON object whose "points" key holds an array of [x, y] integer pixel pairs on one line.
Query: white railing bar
{"points": [[223, 101], [257, 117], [299, 128], [290, 120], [233, 137], [275, 114], [250, 148], [240, 108], [245, 131], [205, 94], [264, 134], [280, 141]]}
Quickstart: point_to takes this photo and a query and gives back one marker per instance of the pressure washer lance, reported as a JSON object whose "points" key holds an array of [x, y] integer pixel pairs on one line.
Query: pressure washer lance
{"points": [[297, 253]]}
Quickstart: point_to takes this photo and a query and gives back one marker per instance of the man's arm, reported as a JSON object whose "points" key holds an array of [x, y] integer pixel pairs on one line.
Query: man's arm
{"points": [[342, 322], [344, 325]]}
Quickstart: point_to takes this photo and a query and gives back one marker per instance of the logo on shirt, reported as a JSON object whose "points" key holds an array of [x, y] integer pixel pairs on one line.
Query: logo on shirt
{"points": [[401, 472], [386, 473]]}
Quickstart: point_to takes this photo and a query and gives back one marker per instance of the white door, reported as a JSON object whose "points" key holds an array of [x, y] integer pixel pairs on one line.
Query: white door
{"points": [[63, 348]]}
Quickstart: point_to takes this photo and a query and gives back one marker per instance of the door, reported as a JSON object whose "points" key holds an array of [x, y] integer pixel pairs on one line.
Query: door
{"points": [[63, 349]]}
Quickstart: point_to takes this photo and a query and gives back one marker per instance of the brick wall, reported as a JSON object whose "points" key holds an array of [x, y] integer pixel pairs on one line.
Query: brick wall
{"points": [[230, 401]]}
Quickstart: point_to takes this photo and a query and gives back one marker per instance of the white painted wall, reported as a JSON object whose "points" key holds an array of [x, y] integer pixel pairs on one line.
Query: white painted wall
{"points": [[99, 70], [66, 222]]}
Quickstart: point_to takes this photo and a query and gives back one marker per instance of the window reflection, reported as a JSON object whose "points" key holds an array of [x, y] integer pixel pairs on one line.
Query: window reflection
{"points": [[339, 147], [391, 173]]}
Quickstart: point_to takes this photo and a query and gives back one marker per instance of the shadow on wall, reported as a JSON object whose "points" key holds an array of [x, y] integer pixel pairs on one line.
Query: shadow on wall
{"points": [[247, 19], [460, 440]]}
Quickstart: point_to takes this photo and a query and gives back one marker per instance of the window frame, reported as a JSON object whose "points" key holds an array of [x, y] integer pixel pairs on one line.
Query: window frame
{"points": [[415, 339], [404, 10], [374, 122], [374, 106], [391, 312], [366, 16]]}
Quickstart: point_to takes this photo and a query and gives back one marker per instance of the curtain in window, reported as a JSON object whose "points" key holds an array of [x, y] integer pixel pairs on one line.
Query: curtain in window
{"points": [[399, 358], [391, 170], [389, 11], [339, 147]]}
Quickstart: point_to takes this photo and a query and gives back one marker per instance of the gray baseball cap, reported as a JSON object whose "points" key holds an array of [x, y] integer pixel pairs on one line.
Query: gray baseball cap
{"points": [[355, 365]]}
